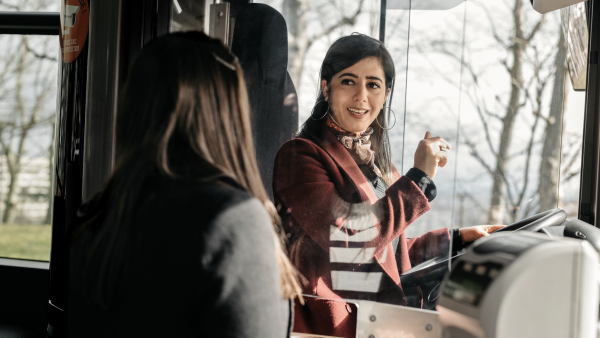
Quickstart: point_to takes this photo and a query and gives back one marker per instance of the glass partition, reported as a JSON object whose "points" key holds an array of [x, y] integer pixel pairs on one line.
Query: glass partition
{"points": [[488, 77], [430, 53], [432, 98]]}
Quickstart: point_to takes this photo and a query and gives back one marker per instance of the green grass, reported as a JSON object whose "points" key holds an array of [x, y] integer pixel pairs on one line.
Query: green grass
{"points": [[25, 241]]}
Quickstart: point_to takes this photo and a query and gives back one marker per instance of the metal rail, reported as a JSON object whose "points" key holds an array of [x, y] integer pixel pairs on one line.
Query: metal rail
{"points": [[30, 23]]}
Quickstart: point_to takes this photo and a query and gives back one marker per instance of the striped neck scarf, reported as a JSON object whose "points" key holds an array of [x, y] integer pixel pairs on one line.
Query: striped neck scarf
{"points": [[358, 144]]}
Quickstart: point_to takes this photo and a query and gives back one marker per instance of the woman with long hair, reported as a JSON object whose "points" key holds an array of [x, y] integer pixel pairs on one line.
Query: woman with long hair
{"points": [[342, 202], [183, 240]]}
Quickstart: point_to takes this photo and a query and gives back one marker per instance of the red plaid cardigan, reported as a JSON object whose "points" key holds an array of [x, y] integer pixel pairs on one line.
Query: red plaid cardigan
{"points": [[327, 204]]}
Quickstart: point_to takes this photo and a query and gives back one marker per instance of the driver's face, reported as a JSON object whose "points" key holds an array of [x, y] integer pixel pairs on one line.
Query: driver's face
{"points": [[357, 94]]}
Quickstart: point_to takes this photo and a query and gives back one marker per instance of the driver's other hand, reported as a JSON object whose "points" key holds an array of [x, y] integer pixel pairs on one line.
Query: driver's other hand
{"points": [[431, 153], [474, 233]]}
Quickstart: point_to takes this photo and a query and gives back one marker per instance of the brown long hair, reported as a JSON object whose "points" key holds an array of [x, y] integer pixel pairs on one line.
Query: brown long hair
{"points": [[343, 53], [184, 113]]}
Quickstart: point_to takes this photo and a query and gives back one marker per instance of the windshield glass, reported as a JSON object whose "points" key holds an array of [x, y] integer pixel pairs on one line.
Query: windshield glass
{"points": [[30, 6], [490, 78]]}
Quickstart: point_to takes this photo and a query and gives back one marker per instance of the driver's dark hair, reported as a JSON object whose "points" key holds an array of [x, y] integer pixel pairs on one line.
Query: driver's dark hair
{"points": [[343, 53]]}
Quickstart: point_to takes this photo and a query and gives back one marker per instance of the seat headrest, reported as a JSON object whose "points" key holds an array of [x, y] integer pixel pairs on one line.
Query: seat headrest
{"points": [[260, 35]]}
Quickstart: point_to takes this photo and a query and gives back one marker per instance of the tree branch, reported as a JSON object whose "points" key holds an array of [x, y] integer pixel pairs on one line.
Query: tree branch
{"points": [[571, 155], [343, 21], [39, 56], [493, 27], [13, 7], [536, 28], [527, 162], [479, 159]]}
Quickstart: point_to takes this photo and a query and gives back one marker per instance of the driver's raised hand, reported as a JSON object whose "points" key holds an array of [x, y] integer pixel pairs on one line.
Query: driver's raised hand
{"points": [[431, 153], [474, 233]]}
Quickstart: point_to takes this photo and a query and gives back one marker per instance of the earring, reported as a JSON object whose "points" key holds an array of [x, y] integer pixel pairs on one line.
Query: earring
{"points": [[394, 120], [313, 110]]}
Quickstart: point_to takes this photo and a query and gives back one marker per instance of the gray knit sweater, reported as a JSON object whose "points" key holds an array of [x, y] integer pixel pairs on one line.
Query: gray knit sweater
{"points": [[203, 265]]}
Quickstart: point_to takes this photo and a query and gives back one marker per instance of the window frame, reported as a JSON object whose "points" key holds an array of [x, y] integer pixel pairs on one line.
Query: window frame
{"points": [[30, 23], [589, 193]]}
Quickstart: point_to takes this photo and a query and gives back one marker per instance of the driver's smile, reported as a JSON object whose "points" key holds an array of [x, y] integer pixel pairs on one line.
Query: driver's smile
{"points": [[357, 94]]}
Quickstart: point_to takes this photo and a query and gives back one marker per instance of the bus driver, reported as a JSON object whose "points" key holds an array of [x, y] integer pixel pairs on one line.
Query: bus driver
{"points": [[342, 202]]}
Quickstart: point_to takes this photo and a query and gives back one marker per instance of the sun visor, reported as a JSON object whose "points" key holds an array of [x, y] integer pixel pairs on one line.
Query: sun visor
{"points": [[545, 6]]}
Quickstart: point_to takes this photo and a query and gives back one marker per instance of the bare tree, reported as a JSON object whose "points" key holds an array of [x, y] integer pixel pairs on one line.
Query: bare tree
{"points": [[517, 42], [492, 145], [516, 185], [31, 83], [571, 156], [297, 15]]}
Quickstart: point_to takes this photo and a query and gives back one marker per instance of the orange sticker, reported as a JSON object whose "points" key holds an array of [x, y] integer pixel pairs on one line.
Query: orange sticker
{"points": [[74, 24]]}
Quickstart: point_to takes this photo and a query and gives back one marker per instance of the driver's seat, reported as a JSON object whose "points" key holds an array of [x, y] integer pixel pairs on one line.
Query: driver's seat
{"points": [[260, 43]]}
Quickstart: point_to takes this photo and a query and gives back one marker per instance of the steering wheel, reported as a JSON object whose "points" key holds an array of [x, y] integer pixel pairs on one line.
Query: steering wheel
{"points": [[433, 270]]}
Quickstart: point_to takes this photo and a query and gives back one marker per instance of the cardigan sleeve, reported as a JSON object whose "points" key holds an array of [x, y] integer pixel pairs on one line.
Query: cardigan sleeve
{"points": [[424, 182], [303, 181]]}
